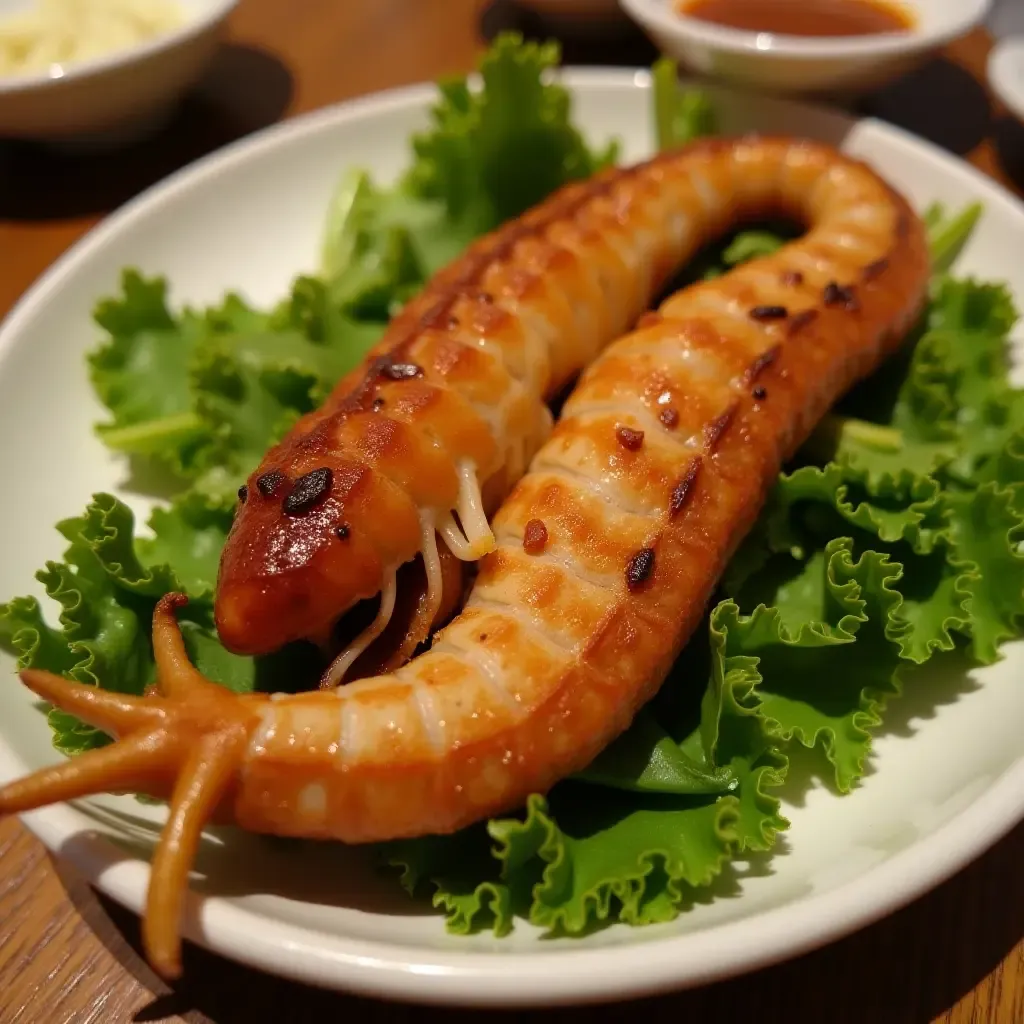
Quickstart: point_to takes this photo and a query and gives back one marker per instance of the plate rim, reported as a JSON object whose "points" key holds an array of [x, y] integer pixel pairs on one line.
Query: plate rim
{"points": [[1004, 69], [518, 978]]}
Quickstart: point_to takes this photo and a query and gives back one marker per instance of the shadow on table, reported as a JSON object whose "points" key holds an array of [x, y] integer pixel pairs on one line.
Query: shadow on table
{"points": [[624, 45], [1008, 137], [244, 89], [940, 102]]}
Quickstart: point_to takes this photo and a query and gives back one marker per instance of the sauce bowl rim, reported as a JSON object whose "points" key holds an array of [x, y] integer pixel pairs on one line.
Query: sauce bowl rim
{"points": [[960, 16]]}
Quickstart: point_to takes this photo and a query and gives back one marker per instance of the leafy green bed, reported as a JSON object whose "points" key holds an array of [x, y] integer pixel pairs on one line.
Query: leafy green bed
{"points": [[896, 533]]}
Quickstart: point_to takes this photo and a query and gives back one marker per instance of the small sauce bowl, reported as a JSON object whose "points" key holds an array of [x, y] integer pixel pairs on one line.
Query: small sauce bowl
{"points": [[120, 96], [789, 64]]}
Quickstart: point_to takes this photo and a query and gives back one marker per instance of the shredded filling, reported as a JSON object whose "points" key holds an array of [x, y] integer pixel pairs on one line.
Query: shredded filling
{"points": [[343, 662]]}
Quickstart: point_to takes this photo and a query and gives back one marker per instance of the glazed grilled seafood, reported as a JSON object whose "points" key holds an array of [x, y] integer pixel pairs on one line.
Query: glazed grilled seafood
{"points": [[605, 555], [415, 449]]}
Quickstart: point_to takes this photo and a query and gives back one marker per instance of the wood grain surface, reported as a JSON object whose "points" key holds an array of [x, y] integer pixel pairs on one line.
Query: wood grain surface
{"points": [[69, 957]]}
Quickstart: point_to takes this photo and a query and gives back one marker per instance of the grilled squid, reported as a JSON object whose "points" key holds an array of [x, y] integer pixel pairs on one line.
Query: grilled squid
{"points": [[413, 451], [603, 556]]}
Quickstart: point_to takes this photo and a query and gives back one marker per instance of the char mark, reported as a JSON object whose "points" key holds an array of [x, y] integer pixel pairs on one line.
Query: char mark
{"points": [[683, 491], [761, 363], [801, 320], [716, 428]]}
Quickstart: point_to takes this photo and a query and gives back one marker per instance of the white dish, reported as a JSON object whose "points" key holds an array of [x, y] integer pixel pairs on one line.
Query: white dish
{"points": [[116, 97], [799, 64], [249, 218], [1006, 73]]}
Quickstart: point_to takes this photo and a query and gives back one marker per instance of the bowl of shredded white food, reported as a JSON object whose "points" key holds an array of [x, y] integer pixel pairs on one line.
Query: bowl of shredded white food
{"points": [[106, 70]]}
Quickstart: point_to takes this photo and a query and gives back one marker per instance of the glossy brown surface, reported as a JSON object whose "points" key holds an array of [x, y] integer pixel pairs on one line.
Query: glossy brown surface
{"points": [[953, 957], [552, 655], [385, 447], [802, 17]]}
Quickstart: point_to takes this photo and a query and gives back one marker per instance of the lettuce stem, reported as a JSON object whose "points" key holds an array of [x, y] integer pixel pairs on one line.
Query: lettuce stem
{"points": [[665, 86], [948, 235], [154, 435], [680, 115]]}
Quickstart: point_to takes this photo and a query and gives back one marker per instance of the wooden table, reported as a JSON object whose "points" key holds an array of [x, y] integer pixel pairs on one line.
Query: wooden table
{"points": [[65, 955]]}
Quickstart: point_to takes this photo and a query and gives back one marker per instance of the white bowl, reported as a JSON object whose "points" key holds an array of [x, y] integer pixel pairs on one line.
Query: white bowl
{"points": [[118, 96], [804, 64], [1006, 74]]}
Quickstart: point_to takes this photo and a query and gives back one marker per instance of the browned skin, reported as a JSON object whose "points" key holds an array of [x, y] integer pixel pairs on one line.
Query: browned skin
{"points": [[494, 335], [607, 551], [461, 375]]}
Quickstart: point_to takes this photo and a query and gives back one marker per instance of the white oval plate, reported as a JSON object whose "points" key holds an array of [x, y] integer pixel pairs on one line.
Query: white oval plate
{"points": [[947, 777]]}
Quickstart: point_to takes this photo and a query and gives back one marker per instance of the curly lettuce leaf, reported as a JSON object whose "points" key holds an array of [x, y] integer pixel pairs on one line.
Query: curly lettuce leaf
{"points": [[587, 855], [107, 594], [188, 535], [519, 119], [906, 520], [986, 534], [812, 688], [140, 372], [646, 758], [209, 392], [946, 406], [251, 386], [381, 245]]}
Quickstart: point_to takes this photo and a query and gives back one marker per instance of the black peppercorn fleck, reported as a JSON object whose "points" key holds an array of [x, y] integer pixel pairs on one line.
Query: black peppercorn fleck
{"points": [[268, 483], [308, 492]]}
